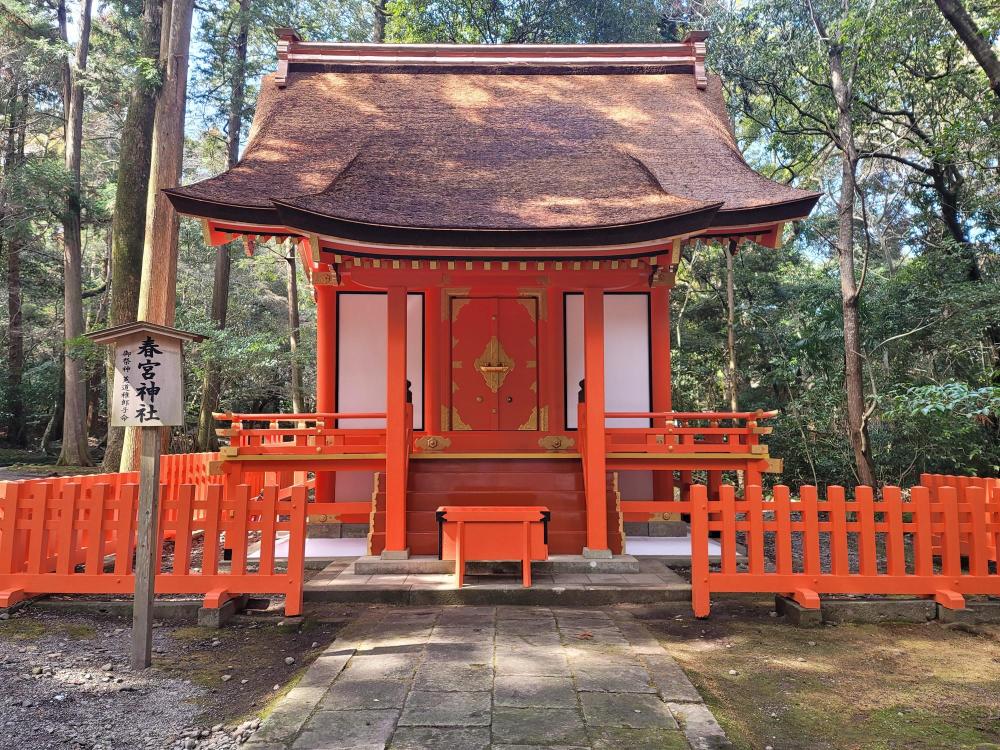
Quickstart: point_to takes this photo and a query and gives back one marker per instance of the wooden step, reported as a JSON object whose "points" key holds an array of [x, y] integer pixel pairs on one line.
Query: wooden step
{"points": [[552, 500], [472, 481]]}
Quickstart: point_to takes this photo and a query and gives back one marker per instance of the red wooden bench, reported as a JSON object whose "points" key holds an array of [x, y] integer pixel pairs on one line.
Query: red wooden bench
{"points": [[493, 533]]}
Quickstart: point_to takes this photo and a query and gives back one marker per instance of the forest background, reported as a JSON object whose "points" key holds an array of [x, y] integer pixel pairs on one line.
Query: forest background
{"points": [[874, 329]]}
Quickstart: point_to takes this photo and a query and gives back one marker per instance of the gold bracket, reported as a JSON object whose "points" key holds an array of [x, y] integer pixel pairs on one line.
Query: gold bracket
{"points": [[556, 442], [432, 443]]}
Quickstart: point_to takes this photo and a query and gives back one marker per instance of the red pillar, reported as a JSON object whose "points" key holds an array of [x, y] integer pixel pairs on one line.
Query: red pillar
{"points": [[596, 457], [659, 300], [396, 448], [326, 375]]}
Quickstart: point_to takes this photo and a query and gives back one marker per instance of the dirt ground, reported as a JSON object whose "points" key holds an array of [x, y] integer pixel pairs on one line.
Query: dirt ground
{"points": [[66, 680], [877, 687]]}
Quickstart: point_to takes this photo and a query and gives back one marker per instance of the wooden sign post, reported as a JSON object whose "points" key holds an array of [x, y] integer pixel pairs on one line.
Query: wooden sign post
{"points": [[148, 393]]}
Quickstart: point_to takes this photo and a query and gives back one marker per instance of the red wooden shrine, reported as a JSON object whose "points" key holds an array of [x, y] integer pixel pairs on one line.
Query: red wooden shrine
{"points": [[492, 233]]}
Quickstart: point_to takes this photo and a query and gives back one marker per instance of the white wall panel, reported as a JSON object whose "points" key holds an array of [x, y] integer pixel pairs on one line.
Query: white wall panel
{"points": [[361, 362], [626, 355]]}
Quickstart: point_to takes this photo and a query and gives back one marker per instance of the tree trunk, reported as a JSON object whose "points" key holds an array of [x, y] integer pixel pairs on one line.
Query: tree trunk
{"points": [[293, 333], [74, 445], [973, 39], [378, 29], [95, 423], [13, 159], [158, 288], [731, 379], [211, 386], [128, 225], [849, 290]]}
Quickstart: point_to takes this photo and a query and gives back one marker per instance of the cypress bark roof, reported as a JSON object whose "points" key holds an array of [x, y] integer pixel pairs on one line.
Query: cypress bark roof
{"points": [[492, 155]]}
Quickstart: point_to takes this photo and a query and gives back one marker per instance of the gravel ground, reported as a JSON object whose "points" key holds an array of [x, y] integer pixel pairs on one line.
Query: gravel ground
{"points": [[66, 682]]}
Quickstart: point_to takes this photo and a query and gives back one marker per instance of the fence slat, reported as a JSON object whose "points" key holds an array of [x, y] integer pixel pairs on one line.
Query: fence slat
{"points": [[65, 505], [810, 534], [951, 550], [727, 498], [94, 505], [923, 541], [267, 523], [839, 559], [182, 540], [128, 499], [238, 526], [755, 537], [978, 550], [867, 556], [37, 532], [10, 493], [783, 530], [213, 512], [895, 541]]}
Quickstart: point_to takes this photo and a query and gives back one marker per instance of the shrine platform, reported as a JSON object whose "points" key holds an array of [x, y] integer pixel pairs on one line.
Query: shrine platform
{"points": [[558, 581]]}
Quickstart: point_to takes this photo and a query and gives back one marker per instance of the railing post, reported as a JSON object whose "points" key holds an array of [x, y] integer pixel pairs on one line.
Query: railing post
{"points": [[700, 592], [595, 462], [396, 444], [659, 334]]}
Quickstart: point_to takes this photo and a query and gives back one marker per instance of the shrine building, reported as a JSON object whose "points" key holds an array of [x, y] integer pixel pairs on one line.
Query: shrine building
{"points": [[492, 234]]}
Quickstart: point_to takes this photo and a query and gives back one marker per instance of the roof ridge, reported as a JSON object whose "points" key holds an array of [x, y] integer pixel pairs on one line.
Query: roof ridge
{"points": [[293, 50]]}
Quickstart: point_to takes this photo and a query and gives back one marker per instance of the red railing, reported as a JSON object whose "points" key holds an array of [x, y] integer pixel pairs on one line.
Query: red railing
{"points": [[313, 433], [849, 561], [689, 432], [58, 541]]}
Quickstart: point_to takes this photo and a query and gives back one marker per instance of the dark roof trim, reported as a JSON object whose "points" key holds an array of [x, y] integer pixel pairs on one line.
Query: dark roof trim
{"points": [[794, 209], [208, 209], [670, 226]]}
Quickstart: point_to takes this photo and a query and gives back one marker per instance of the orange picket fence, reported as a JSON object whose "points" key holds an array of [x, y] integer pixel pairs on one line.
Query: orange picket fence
{"points": [[861, 545], [79, 538], [990, 485]]}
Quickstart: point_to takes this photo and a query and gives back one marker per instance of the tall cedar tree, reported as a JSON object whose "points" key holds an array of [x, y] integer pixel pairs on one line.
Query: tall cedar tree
{"points": [[212, 383], [158, 288], [128, 224], [74, 445]]}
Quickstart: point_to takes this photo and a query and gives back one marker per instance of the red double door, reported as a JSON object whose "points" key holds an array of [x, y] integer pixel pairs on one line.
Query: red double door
{"points": [[494, 363]]}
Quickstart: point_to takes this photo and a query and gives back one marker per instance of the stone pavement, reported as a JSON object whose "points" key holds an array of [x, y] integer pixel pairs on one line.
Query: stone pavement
{"points": [[471, 678]]}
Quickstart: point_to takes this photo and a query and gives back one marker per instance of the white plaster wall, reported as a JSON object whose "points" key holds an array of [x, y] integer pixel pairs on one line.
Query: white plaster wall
{"points": [[626, 355], [361, 381], [363, 340]]}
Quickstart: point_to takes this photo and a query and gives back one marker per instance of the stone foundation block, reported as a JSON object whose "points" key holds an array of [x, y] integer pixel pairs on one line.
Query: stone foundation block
{"points": [[211, 617], [797, 615], [975, 613], [879, 610]]}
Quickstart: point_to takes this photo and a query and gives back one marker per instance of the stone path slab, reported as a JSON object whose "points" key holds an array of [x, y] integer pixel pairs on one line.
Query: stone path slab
{"points": [[492, 678]]}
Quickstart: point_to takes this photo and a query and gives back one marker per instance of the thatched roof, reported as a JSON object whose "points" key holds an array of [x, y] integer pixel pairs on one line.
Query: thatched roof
{"points": [[417, 149]]}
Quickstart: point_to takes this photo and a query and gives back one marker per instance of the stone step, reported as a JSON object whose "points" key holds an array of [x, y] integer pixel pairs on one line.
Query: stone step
{"points": [[421, 564]]}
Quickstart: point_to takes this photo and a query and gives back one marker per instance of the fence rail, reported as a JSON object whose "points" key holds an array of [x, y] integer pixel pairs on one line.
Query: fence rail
{"points": [[861, 545]]}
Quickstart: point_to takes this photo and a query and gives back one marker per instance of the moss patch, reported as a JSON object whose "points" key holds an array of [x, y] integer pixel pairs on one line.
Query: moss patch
{"points": [[850, 686]]}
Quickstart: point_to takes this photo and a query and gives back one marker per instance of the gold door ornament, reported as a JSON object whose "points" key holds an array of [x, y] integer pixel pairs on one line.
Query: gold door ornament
{"points": [[494, 364]]}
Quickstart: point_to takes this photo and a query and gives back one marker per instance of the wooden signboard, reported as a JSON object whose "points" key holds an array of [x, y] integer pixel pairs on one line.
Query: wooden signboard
{"points": [[148, 386], [148, 393]]}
